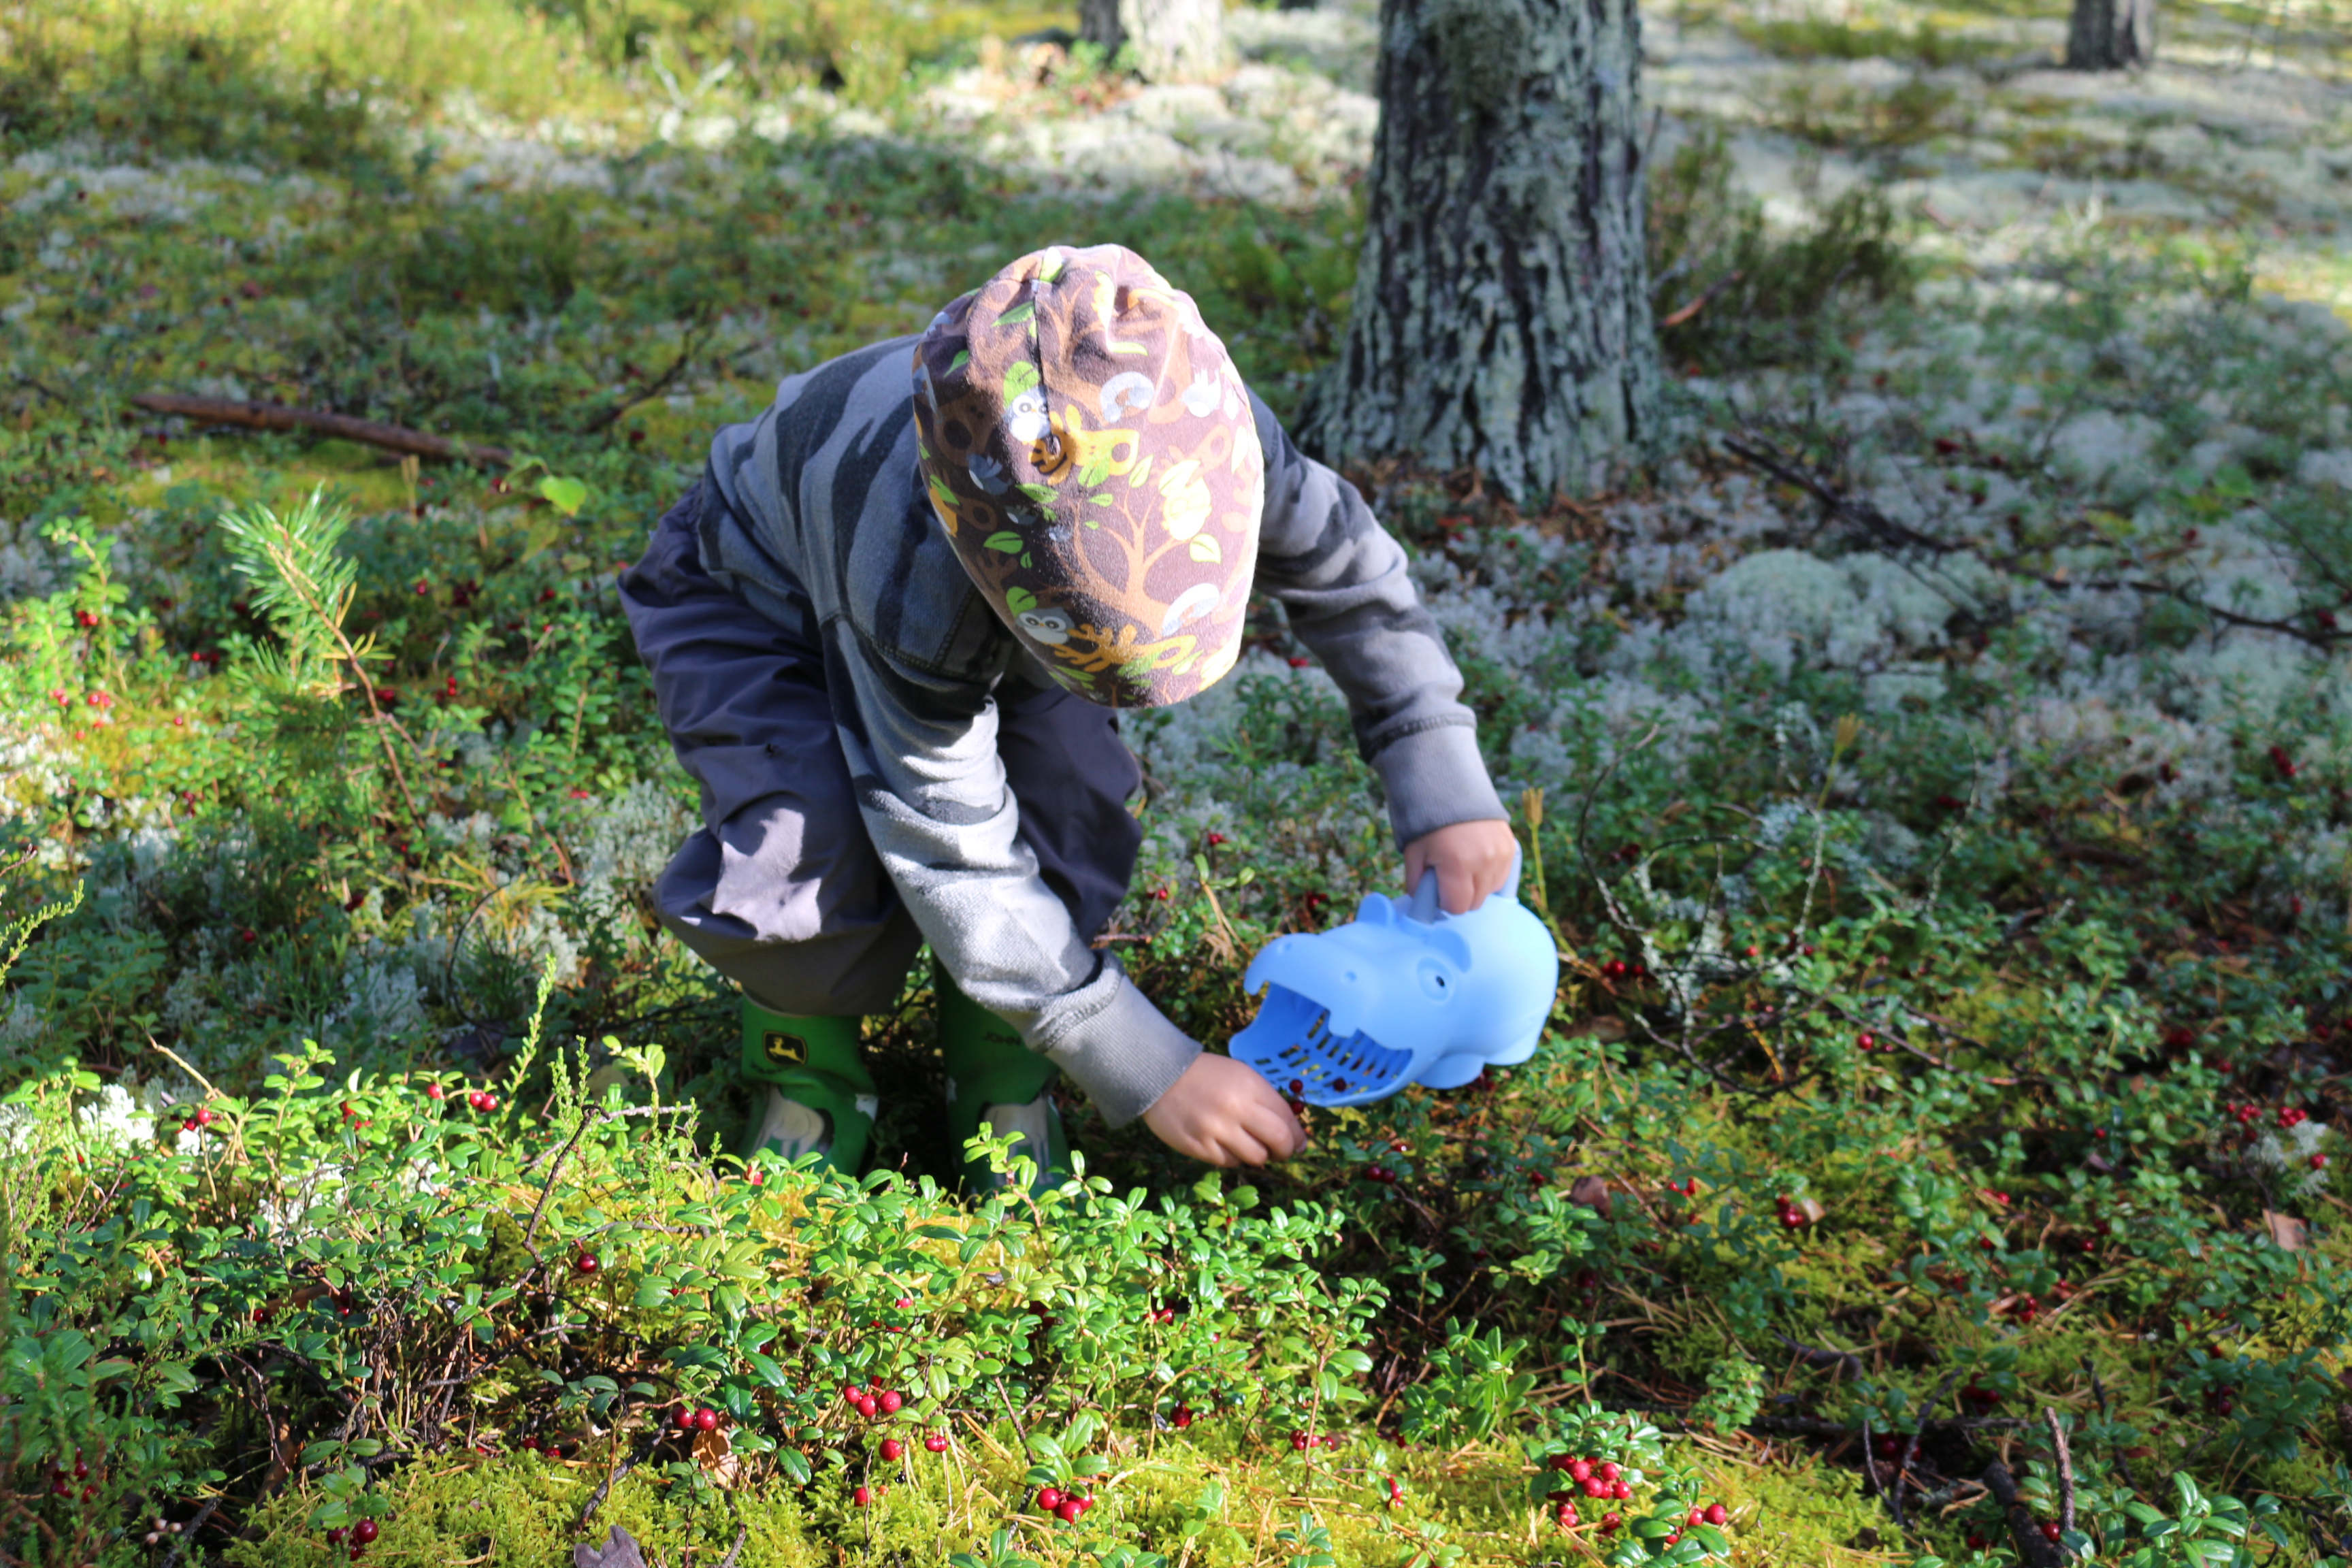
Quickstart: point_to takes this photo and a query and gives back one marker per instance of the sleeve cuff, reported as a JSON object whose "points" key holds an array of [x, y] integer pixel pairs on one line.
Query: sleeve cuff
{"points": [[1124, 1054], [1435, 778]]}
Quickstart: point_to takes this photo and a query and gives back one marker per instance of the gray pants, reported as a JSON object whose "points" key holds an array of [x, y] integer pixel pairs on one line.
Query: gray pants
{"points": [[780, 889]]}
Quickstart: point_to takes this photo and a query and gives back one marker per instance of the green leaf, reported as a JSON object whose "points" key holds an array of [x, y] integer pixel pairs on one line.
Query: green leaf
{"points": [[1008, 541], [564, 494], [1206, 550], [1020, 601], [770, 1371], [1044, 495]]}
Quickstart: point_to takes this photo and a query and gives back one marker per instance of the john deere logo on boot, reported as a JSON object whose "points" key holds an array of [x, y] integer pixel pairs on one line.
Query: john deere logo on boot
{"points": [[785, 1050]]}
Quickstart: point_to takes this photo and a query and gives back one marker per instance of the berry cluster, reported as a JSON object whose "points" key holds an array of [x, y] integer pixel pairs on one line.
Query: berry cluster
{"points": [[202, 1117], [2283, 760], [360, 1535], [1618, 969], [1595, 1480], [1792, 1215], [1065, 1506], [1301, 1440], [64, 1482], [872, 1400]]}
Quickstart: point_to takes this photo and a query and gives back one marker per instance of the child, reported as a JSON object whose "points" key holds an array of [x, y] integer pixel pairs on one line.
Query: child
{"points": [[890, 635]]}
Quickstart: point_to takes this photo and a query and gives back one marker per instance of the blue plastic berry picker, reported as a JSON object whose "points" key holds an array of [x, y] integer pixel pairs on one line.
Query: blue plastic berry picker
{"points": [[1402, 994]]}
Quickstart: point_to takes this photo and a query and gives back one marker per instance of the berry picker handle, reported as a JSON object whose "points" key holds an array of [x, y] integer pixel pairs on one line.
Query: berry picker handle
{"points": [[1425, 898]]}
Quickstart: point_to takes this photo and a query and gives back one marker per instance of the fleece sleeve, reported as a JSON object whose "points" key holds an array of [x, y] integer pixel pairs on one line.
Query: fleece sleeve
{"points": [[932, 792], [1341, 578]]}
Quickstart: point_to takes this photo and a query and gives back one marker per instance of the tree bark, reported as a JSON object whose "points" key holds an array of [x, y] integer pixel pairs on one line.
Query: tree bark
{"points": [[1173, 40], [2111, 34], [1502, 303]]}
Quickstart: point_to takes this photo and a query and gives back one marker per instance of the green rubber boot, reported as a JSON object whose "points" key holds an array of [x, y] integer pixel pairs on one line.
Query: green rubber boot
{"points": [[994, 1078], [820, 1098]]}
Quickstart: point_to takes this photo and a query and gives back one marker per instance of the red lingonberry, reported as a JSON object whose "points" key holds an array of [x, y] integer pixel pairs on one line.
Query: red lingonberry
{"points": [[366, 1530], [861, 1496], [1300, 1442], [2051, 1531], [865, 1405], [1581, 1469], [892, 1447], [1596, 1488], [1048, 1499], [1610, 1523], [587, 1263], [1716, 1514], [434, 1091], [1620, 1491], [1069, 1511], [890, 1400], [937, 1442], [1608, 1470], [705, 1419]]}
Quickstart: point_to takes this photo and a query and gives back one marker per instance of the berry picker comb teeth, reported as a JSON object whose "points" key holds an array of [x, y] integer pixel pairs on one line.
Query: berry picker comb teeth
{"points": [[1402, 994]]}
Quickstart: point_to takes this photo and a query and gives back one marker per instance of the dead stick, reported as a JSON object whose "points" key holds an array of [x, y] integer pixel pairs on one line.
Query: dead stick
{"points": [[279, 417], [1911, 1450], [2033, 1546], [2066, 1471], [1695, 306]]}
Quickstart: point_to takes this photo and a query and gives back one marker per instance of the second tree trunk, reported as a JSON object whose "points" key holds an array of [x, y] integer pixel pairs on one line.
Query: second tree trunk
{"points": [[1502, 311]]}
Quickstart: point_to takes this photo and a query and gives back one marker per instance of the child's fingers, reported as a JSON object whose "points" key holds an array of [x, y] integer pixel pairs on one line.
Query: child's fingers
{"points": [[1242, 1147], [1272, 1134]]}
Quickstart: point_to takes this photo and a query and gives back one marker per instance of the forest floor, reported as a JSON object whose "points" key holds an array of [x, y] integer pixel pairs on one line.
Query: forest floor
{"points": [[1937, 769]]}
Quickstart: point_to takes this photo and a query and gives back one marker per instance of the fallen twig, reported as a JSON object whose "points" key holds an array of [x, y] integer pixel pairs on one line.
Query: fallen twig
{"points": [[1861, 514], [1844, 1360], [1911, 1450], [279, 417], [1688, 311], [2033, 1546], [188, 1530], [2065, 1472]]}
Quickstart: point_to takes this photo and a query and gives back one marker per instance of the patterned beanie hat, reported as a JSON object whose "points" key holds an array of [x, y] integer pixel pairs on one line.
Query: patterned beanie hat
{"points": [[1091, 452]]}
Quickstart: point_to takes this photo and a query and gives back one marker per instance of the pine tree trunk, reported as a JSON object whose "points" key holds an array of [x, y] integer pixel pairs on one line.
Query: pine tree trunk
{"points": [[2111, 34], [1173, 40], [1502, 304]]}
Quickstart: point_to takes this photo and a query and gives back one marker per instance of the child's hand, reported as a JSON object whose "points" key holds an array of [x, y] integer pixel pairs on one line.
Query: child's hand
{"points": [[1223, 1113], [1473, 860]]}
